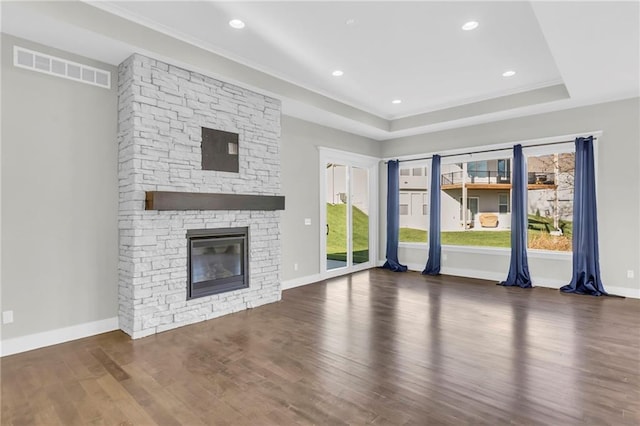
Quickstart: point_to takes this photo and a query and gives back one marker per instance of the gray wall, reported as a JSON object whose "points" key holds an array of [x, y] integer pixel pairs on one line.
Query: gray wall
{"points": [[618, 184], [301, 188], [59, 197]]}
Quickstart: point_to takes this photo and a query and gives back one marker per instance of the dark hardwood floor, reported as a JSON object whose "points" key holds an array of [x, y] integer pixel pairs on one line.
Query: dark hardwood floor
{"points": [[373, 348]]}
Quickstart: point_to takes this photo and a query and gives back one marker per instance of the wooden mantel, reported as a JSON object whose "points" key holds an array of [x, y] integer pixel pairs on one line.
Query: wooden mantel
{"points": [[165, 200]]}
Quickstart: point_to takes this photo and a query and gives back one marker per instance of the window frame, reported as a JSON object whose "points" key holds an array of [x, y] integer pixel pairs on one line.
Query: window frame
{"points": [[508, 203]]}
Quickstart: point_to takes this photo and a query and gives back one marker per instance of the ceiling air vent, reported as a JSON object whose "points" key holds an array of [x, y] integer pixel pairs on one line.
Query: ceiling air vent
{"points": [[47, 64]]}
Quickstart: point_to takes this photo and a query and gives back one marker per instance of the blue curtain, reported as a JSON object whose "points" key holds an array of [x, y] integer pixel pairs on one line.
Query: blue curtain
{"points": [[519, 266], [586, 263], [393, 216], [435, 247]]}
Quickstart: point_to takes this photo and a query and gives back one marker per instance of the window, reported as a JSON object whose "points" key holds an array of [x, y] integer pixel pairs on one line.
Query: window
{"points": [[477, 169], [504, 170], [475, 197], [503, 203], [550, 200], [413, 203]]}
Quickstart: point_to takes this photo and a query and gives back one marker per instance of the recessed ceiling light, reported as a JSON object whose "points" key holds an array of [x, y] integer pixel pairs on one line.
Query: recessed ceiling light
{"points": [[337, 73], [509, 73], [471, 25], [350, 21], [396, 101], [236, 23]]}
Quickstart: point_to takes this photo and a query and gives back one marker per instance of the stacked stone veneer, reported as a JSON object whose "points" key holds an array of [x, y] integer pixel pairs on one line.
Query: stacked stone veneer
{"points": [[162, 109]]}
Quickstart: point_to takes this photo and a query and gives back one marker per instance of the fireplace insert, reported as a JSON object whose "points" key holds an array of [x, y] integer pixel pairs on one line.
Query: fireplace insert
{"points": [[217, 261]]}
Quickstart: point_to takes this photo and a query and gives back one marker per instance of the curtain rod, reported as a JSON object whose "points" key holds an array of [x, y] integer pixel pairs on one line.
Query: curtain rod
{"points": [[483, 151]]}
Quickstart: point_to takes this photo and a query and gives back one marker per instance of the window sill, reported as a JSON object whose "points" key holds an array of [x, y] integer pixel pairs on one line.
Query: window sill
{"points": [[423, 246]]}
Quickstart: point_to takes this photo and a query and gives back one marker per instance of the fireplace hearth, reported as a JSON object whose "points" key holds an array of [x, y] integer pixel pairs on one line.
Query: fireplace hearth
{"points": [[217, 261]]}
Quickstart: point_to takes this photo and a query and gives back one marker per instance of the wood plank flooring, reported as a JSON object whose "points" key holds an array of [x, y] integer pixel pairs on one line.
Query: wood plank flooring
{"points": [[375, 347]]}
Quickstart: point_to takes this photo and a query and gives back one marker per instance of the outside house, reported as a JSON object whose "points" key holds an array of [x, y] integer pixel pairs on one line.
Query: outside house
{"points": [[476, 196], [414, 207], [486, 185]]}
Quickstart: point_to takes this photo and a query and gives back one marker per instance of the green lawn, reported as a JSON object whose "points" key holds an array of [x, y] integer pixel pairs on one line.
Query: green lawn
{"points": [[337, 238], [412, 235], [487, 238], [460, 238]]}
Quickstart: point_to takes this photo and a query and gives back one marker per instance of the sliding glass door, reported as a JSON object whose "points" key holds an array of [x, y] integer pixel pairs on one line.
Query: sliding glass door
{"points": [[359, 215], [337, 224], [347, 223]]}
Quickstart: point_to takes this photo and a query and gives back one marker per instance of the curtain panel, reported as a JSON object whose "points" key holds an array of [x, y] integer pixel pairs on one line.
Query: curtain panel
{"points": [[586, 257], [393, 216], [519, 266], [435, 246]]}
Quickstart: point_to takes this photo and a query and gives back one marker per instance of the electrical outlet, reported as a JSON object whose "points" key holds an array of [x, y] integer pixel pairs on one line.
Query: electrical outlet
{"points": [[7, 317], [295, 266], [307, 221], [630, 273]]}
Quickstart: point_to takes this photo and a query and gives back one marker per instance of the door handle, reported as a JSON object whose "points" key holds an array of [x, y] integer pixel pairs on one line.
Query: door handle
{"points": [[327, 229]]}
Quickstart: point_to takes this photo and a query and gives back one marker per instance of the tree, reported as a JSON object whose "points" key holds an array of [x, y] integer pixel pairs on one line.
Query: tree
{"points": [[559, 200]]}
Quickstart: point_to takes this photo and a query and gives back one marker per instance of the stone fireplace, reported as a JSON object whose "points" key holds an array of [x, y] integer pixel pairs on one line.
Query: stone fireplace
{"points": [[162, 112]]}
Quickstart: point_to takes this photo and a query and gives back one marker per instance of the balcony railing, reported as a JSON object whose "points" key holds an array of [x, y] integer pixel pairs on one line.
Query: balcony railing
{"points": [[496, 177], [454, 178]]}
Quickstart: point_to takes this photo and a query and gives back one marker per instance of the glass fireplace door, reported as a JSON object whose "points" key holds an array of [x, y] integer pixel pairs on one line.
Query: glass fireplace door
{"points": [[217, 261]]}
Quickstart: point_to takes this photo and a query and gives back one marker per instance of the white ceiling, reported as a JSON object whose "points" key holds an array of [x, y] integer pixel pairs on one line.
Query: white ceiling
{"points": [[565, 53], [409, 50]]}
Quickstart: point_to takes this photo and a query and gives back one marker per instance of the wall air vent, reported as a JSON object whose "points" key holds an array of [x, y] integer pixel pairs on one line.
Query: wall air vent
{"points": [[47, 64]]}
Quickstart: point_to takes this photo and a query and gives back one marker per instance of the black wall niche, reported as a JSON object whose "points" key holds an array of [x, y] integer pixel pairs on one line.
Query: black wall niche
{"points": [[219, 150]]}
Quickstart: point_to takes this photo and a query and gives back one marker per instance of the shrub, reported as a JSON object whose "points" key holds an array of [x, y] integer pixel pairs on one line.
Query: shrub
{"points": [[544, 241]]}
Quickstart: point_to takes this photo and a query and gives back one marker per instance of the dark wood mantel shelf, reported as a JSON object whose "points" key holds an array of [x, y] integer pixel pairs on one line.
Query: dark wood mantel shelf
{"points": [[164, 200]]}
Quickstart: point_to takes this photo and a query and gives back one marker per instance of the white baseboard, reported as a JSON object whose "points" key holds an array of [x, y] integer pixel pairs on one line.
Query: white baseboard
{"points": [[416, 267], [500, 276], [410, 266], [474, 273], [537, 281], [60, 335], [623, 291], [300, 281]]}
